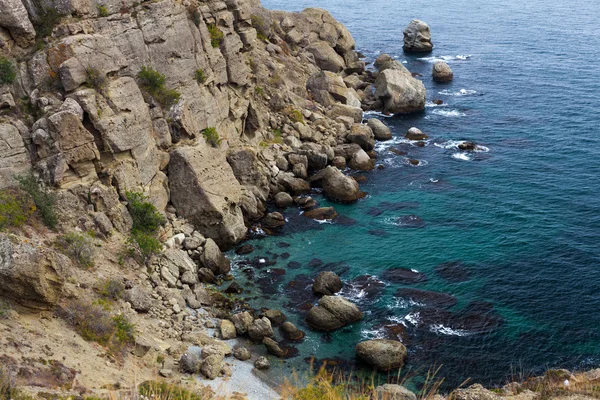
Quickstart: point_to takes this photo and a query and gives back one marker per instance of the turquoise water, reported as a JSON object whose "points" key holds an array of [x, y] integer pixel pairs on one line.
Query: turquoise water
{"points": [[519, 223]]}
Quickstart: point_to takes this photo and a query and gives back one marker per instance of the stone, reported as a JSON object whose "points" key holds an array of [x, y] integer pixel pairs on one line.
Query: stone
{"points": [[14, 17], [393, 392], [211, 366], [327, 283], [165, 373], [300, 171], [291, 332], [30, 273], [227, 329], [273, 220], [382, 354], [441, 72], [206, 192], [189, 363], [360, 161], [213, 259], [242, 322], [417, 37], [140, 298], [295, 185], [346, 150], [399, 91], [282, 163], [340, 187], [259, 329], [332, 313], [283, 200], [380, 130], [415, 134], [339, 162], [342, 110], [177, 263], [14, 158], [473, 392], [242, 353], [321, 213], [468, 146], [262, 363], [361, 135], [244, 249], [275, 316], [273, 347], [327, 88], [326, 57]]}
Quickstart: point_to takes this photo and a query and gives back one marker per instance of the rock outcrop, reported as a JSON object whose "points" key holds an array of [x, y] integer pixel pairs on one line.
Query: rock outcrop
{"points": [[14, 17], [441, 72], [398, 91], [382, 354], [393, 392], [417, 37], [340, 187], [14, 158], [333, 312], [327, 283], [30, 273]]}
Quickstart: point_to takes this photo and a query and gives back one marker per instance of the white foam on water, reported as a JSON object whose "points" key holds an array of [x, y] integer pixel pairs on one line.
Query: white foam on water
{"points": [[324, 221], [462, 156], [461, 92], [434, 59], [453, 145], [421, 163], [445, 330], [430, 104], [377, 114], [372, 333], [262, 261], [448, 113], [413, 318]]}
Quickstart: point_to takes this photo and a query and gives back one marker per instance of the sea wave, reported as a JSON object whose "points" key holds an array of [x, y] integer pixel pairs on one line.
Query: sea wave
{"points": [[413, 318], [461, 92], [445, 330], [433, 59], [431, 104], [453, 145], [462, 156], [377, 114], [448, 113]]}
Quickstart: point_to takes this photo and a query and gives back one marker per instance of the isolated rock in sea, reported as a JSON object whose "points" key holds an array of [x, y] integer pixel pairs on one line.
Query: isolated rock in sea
{"points": [[340, 187], [417, 37], [30, 273], [441, 72], [382, 354], [273, 220], [275, 316], [333, 312], [399, 91], [380, 130], [322, 213], [393, 392], [327, 283], [290, 331], [415, 134]]}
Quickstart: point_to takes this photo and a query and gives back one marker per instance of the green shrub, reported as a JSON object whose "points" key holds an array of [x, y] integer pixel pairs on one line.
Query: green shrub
{"points": [[146, 245], [111, 288], [262, 30], [124, 329], [43, 198], [4, 309], [153, 82], [95, 79], [199, 75], [146, 222], [15, 209], [216, 35], [47, 21], [102, 11], [169, 391], [8, 74], [79, 247], [211, 136], [294, 115], [259, 90]]}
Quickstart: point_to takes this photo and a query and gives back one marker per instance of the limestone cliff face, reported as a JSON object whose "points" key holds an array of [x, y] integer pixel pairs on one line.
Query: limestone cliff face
{"points": [[273, 85]]}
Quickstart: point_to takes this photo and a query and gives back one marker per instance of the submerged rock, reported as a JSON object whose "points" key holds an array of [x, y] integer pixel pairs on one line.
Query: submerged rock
{"points": [[403, 275], [410, 221], [441, 72], [427, 297], [417, 37], [291, 332], [453, 271], [322, 214], [333, 312], [382, 354]]}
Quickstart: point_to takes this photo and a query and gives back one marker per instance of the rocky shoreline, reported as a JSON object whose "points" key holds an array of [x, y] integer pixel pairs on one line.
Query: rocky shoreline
{"points": [[219, 115]]}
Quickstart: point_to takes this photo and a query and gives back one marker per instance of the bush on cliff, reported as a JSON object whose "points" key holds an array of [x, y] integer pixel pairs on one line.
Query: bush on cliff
{"points": [[262, 28], [153, 83], [216, 35], [15, 208], [146, 222], [200, 76], [79, 247], [43, 198], [211, 136], [8, 74]]}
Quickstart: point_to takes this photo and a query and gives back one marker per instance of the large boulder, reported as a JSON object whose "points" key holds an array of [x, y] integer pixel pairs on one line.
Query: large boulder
{"points": [[14, 17], [176, 265], [327, 283], [205, 191], [417, 37], [361, 135], [213, 258], [260, 328], [441, 72], [399, 91], [340, 187], [361, 161], [326, 57], [327, 88], [30, 273], [333, 312], [393, 392], [14, 158], [382, 354], [380, 130]]}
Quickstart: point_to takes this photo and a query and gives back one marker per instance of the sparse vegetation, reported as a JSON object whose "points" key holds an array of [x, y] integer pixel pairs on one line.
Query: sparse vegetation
{"points": [[262, 29], [294, 115], [211, 136], [259, 91], [43, 198], [102, 11], [4, 310], [146, 222], [15, 208], [79, 247], [94, 323], [95, 79], [168, 391], [195, 15], [8, 74], [200, 76], [216, 35], [153, 83], [47, 22], [111, 288]]}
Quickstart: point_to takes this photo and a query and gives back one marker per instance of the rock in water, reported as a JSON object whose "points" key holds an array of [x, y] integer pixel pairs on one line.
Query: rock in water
{"points": [[417, 37], [322, 214], [333, 312], [382, 354], [290, 331], [415, 134], [213, 259], [327, 283], [273, 220], [340, 187], [31, 274], [380, 130], [441, 72], [393, 392], [399, 91]]}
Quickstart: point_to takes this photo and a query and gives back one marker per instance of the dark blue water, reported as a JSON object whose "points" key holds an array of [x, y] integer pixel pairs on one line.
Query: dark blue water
{"points": [[520, 222]]}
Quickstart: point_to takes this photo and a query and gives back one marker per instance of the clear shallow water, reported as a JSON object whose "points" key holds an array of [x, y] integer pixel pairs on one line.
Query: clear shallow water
{"points": [[522, 219]]}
